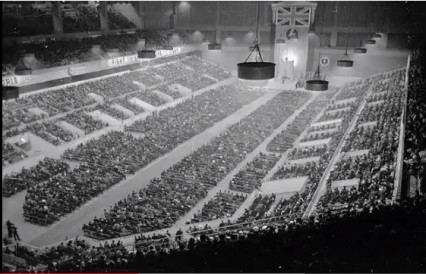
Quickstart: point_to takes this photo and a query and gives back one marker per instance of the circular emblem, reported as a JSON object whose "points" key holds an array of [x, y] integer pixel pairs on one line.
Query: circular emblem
{"points": [[70, 71], [324, 61], [27, 78], [292, 34]]}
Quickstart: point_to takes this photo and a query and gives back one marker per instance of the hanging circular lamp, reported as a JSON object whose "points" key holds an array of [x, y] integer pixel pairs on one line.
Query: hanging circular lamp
{"points": [[345, 62], [316, 85], [256, 70], [360, 50], [214, 46], [370, 42]]}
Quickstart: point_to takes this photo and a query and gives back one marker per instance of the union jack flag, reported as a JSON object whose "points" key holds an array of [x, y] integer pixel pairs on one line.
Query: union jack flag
{"points": [[293, 16]]}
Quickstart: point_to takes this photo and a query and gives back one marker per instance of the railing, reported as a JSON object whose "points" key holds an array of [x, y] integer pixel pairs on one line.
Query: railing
{"points": [[400, 157]]}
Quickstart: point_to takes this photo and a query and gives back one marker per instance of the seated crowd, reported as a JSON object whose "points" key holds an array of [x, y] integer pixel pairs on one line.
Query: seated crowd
{"points": [[55, 52], [194, 81], [222, 205], [49, 131], [169, 91], [374, 170], [250, 177], [286, 242], [168, 198], [306, 152], [47, 168], [297, 203], [110, 110], [125, 103], [317, 244], [58, 101], [258, 209], [164, 131], [204, 67], [283, 141], [84, 121], [64, 193], [118, 21], [10, 154], [121, 150], [415, 138]]}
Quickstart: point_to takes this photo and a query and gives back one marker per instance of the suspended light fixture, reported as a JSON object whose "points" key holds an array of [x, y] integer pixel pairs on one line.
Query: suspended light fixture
{"points": [[316, 83], [360, 50], [256, 70], [146, 53], [217, 45], [345, 62]]}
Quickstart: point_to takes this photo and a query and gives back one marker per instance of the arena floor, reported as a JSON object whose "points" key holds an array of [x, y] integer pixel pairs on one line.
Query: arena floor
{"points": [[70, 226]]}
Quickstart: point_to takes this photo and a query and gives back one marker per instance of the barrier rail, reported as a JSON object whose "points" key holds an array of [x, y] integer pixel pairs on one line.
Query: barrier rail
{"points": [[397, 191]]}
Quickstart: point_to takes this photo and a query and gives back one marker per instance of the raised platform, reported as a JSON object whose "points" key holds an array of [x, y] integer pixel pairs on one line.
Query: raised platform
{"points": [[336, 121], [316, 143], [284, 185], [304, 161], [368, 124]]}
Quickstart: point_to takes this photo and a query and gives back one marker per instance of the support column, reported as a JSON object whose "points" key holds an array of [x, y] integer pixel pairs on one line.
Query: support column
{"points": [[218, 33], [57, 18], [333, 38], [139, 12], [104, 16], [173, 18]]}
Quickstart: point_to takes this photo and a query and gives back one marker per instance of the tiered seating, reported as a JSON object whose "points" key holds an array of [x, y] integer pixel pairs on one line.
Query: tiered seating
{"points": [[298, 203], [374, 170], [249, 178], [223, 205], [414, 156]]}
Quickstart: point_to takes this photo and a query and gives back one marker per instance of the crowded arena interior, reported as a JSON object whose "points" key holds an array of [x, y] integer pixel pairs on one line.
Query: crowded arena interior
{"points": [[205, 136]]}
